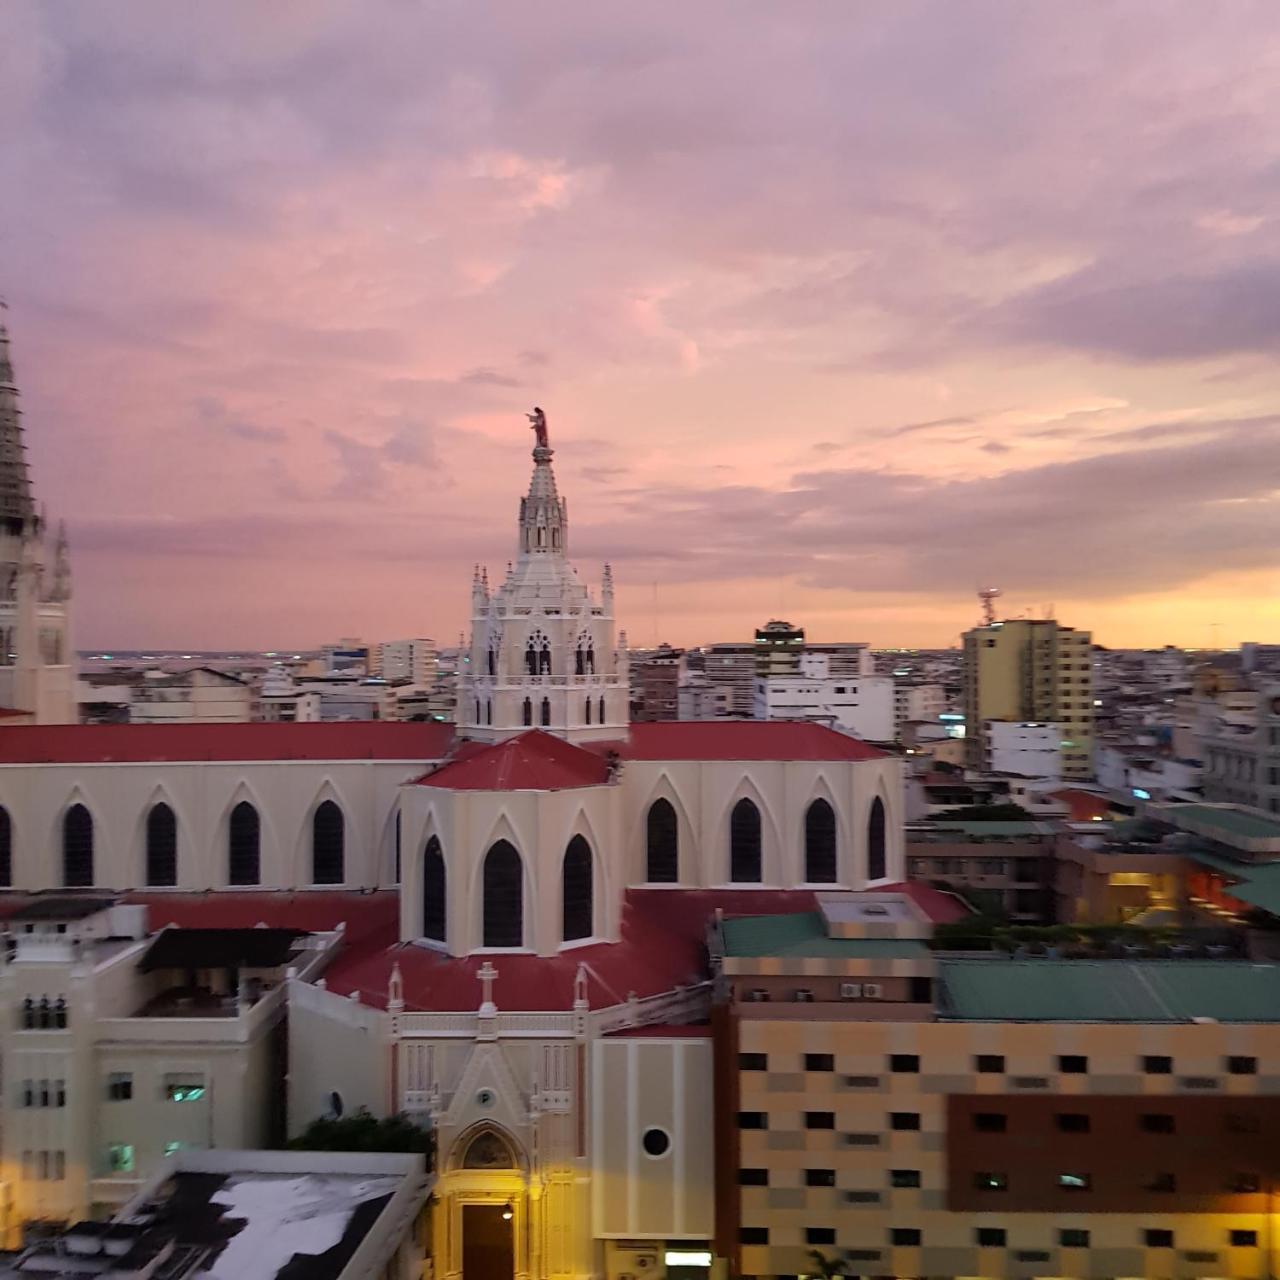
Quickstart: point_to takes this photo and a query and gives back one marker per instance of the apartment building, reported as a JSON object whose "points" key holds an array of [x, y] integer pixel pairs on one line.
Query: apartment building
{"points": [[910, 1115], [1242, 761], [1030, 669]]}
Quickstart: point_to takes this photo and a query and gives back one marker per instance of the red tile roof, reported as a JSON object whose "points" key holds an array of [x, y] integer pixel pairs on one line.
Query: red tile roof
{"points": [[134, 743], [941, 907], [742, 740], [531, 761]]}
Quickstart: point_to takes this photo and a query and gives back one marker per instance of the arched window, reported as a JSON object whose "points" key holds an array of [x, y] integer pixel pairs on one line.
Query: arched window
{"points": [[544, 659], [477, 711], [488, 711], [580, 660], [77, 847], [602, 709], [162, 846], [6, 848], [875, 841], [397, 839], [503, 897], [528, 711], [243, 842], [328, 844], [531, 658], [662, 865], [576, 912], [744, 843], [586, 711], [820, 843], [546, 711], [433, 891]]}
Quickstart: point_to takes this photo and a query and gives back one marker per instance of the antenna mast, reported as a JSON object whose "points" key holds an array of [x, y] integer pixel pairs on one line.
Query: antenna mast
{"points": [[988, 596]]}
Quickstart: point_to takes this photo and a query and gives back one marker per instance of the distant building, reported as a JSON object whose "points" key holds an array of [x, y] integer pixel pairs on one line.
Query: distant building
{"points": [[1242, 765], [700, 699], [860, 705], [1028, 669], [730, 670], [916, 701], [349, 657], [778, 648], [655, 684], [1027, 748], [406, 660], [198, 696]]}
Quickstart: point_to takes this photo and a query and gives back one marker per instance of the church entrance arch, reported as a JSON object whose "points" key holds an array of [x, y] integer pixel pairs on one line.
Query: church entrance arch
{"points": [[484, 1228]]}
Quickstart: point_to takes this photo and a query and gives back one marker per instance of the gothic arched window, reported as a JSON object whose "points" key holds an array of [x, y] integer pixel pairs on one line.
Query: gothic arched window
{"points": [[546, 711], [77, 847], [433, 892], [493, 662], [576, 901], [586, 710], [162, 846], [397, 846], [243, 845], [488, 711], [527, 712], [328, 844], [744, 843], [6, 848], [531, 658], [580, 660], [602, 709], [544, 659], [662, 863], [503, 897], [820, 843], [477, 711], [875, 841]]}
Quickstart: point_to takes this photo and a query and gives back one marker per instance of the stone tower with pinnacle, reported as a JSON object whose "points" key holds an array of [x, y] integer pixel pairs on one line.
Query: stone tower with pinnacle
{"points": [[544, 653]]}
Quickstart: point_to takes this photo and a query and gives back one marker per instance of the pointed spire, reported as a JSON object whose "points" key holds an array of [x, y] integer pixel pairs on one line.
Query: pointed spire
{"points": [[544, 516], [17, 511]]}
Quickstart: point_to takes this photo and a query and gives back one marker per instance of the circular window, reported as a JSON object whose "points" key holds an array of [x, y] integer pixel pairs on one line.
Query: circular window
{"points": [[656, 1142], [485, 1098]]}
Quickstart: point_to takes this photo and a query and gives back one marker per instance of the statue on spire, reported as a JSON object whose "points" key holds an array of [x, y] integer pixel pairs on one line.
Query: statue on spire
{"points": [[538, 422]]}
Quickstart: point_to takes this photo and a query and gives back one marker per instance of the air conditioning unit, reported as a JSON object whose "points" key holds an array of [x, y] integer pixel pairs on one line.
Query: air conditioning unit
{"points": [[757, 994], [804, 995], [851, 991], [872, 991]]}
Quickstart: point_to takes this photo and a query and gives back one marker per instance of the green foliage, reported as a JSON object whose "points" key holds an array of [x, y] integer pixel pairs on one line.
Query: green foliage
{"points": [[986, 813], [826, 1268], [362, 1131]]}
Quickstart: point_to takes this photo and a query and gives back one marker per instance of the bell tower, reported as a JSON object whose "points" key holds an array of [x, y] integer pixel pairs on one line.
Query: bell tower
{"points": [[543, 653]]}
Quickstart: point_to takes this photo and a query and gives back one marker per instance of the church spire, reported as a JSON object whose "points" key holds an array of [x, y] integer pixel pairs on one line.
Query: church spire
{"points": [[544, 515], [17, 511]]}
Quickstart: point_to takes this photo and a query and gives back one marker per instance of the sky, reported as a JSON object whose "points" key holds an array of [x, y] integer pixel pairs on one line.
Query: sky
{"points": [[837, 311]]}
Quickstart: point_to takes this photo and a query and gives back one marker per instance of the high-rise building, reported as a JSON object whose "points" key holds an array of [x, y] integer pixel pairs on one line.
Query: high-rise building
{"points": [[655, 684], [1030, 669], [778, 648], [411, 660], [730, 670]]}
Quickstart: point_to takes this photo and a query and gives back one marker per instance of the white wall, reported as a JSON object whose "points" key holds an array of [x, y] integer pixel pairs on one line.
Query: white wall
{"points": [[1032, 750], [860, 705]]}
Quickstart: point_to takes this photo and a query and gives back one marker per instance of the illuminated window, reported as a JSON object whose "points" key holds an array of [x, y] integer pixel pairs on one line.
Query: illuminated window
{"points": [[991, 1181], [184, 1088], [120, 1157], [1075, 1181]]}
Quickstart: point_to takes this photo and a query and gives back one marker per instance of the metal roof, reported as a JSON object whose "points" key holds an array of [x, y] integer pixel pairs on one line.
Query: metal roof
{"points": [[1108, 990], [804, 934]]}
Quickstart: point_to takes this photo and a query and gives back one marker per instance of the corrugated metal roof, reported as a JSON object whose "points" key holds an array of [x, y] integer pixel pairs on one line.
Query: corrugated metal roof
{"points": [[1108, 990], [804, 934]]}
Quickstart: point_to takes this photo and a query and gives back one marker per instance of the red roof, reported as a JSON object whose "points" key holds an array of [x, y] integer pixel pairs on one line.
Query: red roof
{"points": [[941, 907], [1082, 806], [742, 740], [531, 761], [134, 743]]}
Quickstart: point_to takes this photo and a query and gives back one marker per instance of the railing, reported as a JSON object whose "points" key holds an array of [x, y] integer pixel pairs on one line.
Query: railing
{"points": [[525, 680]]}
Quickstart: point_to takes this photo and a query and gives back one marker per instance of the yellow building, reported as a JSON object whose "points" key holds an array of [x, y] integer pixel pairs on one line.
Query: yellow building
{"points": [[1030, 669]]}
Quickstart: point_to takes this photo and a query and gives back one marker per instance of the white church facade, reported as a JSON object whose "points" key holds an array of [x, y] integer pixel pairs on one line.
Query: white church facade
{"points": [[524, 902]]}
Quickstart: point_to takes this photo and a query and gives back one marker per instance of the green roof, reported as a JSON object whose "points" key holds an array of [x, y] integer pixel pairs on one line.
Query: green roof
{"points": [[804, 934], [1108, 990], [1234, 820], [1259, 882]]}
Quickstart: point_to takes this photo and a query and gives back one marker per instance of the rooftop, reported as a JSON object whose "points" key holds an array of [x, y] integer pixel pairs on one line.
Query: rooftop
{"points": [[1108, 990], [255, 948], [743, 740], [61, 907], [531, 761], [1244, 828], [805, 935]]}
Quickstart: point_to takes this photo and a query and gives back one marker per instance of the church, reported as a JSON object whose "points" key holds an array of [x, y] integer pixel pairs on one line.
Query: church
{"points": [[515, 909]]}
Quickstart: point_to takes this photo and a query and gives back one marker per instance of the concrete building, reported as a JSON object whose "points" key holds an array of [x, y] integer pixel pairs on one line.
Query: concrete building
{"points": [[730, 670], [1242, 764], [906, 1114], [655, 684], [406, 661], [861, 705], [1030, 670], [916, 702], [1028, 749], [197, 696], [778, 648]]}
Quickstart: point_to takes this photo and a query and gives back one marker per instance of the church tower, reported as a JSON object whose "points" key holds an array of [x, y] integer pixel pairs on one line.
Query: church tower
{"points": [[36, 672], [543, 649]]}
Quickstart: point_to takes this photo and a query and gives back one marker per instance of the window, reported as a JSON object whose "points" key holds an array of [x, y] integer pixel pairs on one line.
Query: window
{"points": [[28, 1094], [172, 1148], [1073, 1064], [503, 897], [753, 1062], [601, 709], [328, 838], [1161, 1182], [820, 843], [656, 1142], [1157, 1238], [119, 1086], [545, 718], [1075, 1181], [59, 1171], [819, 1119], [904, 1237], [434, 899], [1239, 1066], [753, 1119], [819, 1235], [77, 847], [819, 1177], [1073, 1238], [904, 1177], [990, 1121], [243, 845], [6, 849], [875, 841], [1072, 1122], [902, 1120], [1154, 1064], [184, 1087], [989, 1063], [989, 1237], [162, 846], [586, 709], [576, 902], [120, 1157], [753, 1235], [58, 1014], [59, 1093], [819, 1062], [744, 843], [1243, 1239], [1156, 1122], [989, 1181], [662, 861], [753, 1177], [908, 1062]]}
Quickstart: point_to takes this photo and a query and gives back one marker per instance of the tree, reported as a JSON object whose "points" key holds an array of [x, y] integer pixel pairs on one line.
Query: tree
{"points": [[1008, 812], [827, 1268], [362, 1131]]}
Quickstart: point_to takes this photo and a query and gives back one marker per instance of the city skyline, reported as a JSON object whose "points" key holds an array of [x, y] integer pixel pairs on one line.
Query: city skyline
{"points": [[835, 318]]}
